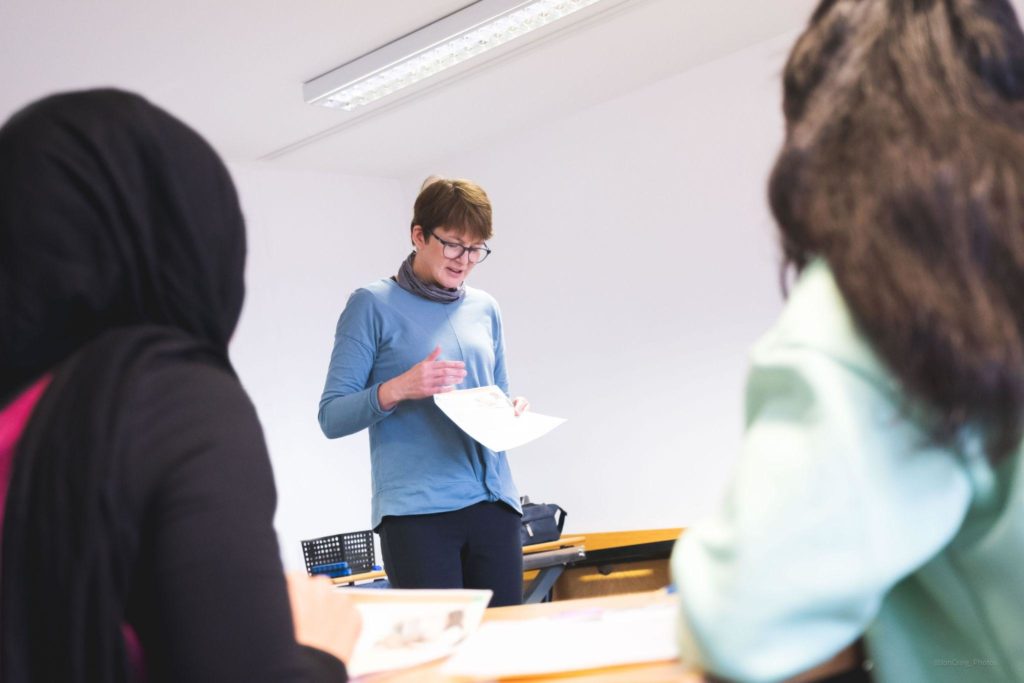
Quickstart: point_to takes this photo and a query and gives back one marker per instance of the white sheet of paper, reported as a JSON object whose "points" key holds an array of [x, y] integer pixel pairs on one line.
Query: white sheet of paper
{"points": [[404, 628], [486, 414], [573, 641]]}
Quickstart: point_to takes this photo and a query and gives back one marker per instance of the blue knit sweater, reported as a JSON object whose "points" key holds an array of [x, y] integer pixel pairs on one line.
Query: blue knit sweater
{"points": [[421, 462]]}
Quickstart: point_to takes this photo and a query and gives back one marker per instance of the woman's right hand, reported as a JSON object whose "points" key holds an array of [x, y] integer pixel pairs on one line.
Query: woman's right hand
{"points": [[428, 377], [324, 617]]}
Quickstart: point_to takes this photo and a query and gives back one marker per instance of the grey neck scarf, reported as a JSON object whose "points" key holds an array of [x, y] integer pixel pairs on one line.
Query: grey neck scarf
{"points": [[408, 281]]}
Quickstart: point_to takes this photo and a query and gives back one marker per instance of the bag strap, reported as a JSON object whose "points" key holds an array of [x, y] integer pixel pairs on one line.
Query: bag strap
{"points": [[561, 520]]}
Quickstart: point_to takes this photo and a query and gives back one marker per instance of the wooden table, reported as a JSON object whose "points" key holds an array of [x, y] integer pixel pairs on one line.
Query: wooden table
{"points": [[619, 562], [602, 541], [596, 544], [547, 561], [655, 672], [624, 539], [563, 542], [543, 562]]}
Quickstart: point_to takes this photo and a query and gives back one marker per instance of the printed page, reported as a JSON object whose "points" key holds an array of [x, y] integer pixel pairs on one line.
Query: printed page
{"points": [[487, 415], [404, 628]]}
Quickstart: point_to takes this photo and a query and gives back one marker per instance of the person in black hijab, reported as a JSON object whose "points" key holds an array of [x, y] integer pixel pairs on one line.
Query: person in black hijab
{"points": [[141, 497]]}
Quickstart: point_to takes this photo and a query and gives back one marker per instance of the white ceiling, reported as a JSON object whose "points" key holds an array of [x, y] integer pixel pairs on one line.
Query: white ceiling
{"points": [[234, 68]]}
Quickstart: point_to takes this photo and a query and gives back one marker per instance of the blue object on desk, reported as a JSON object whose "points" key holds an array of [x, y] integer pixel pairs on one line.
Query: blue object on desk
{"points": [[333, 570]]}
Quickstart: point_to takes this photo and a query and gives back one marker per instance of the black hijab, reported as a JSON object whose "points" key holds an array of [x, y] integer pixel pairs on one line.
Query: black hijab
{"points": [[122, 246]]}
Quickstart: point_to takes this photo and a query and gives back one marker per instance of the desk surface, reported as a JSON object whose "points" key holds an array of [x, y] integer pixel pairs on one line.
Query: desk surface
{"points": [[657, 672], [596, 541], [624, 539], [564, 542]]}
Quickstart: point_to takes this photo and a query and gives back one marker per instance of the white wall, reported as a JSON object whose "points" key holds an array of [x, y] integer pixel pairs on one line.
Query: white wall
{"points": [[313, 239], [635, 264]]}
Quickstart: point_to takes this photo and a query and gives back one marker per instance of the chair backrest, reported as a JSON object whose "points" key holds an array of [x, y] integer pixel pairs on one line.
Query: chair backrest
{"points": [[355, 547]]}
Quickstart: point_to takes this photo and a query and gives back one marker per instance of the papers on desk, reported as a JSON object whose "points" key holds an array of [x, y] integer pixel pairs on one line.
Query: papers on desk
{"points": [[589, 638], [404, 628], [486, 414]]}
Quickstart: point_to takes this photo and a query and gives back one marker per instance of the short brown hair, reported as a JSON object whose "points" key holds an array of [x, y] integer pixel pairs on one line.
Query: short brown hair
{"points": [[460, 205]]}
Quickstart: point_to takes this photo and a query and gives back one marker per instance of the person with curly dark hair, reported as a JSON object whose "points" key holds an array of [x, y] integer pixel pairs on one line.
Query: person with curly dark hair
{"points": [[879, 492]]}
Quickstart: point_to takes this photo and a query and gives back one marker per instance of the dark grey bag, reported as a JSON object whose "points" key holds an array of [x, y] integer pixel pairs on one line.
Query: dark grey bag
{"points": [[541, 522]]}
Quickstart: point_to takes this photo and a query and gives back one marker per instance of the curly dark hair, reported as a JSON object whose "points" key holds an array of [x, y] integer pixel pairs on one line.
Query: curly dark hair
{"points": [[903, 167]]}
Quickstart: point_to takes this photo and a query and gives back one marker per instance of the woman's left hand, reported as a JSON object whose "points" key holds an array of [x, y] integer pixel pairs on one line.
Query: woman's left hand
{"points": [[520, 404], [323, 616]]}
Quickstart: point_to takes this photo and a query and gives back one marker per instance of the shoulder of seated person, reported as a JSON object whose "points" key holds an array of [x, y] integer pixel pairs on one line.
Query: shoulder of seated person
{"points": [[817, 320], [192, 384], [187, 412]]}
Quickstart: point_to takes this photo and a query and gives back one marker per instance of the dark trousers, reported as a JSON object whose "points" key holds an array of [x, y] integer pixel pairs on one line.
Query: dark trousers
{"points": [[475, 547]]}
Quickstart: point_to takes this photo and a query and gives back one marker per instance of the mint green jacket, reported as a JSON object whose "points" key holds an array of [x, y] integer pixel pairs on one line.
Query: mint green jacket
{"points": [[843, 519]]}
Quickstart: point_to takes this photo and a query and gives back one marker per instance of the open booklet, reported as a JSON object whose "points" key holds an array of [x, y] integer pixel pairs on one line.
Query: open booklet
{"points": [[487, 415], [404, 628]]}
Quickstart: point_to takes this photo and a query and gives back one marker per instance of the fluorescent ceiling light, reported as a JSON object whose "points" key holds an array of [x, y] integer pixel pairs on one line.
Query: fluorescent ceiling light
{"points": [[450, 41]]}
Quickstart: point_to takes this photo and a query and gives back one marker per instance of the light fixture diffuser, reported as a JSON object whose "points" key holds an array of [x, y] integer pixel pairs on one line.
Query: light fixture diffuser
{"points": [[472, 31]]}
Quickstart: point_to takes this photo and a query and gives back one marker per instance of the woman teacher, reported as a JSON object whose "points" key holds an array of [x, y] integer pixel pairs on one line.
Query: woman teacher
{"points": [[445, 506]]}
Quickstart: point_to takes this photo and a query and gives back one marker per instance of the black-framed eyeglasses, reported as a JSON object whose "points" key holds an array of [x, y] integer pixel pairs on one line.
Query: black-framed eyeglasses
{"points": [[454, 250]]}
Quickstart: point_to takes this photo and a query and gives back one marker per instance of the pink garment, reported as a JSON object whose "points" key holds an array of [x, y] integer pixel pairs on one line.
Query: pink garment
{"points": [[13, 419]]}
